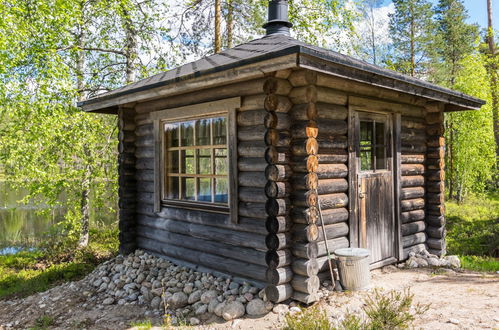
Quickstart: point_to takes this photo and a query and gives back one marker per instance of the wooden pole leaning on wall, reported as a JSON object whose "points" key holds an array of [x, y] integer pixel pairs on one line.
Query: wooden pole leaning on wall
{"points": [[434, 189], [277, 189]]}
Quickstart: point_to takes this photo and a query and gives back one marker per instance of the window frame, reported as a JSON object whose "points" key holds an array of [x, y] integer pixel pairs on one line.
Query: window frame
{"points": [[226, 108]]}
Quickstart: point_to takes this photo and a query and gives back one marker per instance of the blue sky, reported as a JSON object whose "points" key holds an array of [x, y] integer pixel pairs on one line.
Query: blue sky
{"points": [[477, 9]]}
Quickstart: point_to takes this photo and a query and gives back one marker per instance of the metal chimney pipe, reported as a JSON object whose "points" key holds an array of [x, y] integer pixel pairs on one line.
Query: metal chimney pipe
{"points": [[278, 18]]}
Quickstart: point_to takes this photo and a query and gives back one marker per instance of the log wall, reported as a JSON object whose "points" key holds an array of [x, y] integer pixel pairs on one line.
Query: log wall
{"points": [[207, 239], [435, 195], [127, 197], [412, 182]]}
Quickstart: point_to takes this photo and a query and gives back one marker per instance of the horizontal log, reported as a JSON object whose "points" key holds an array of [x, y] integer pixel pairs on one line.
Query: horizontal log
{"points": [[145, 186], [252, 210], [298, 147], [144, 130], [436, 243], [434, 118], [305, 267], [412, 181], [413, 239], [278, 259], [144, 141], [439, 253], [145, 175], [412, 169], [435, 164], [300, 232], [278, 241], [435, 129], [277, 294], [278, 86], [277, 120], [412, 192], [251, 149], [251, 164], [332, 244], [414, 248], [435, 141], [432, 198], [219, 263], [252, 102], [302, 77], [277, 103], [212, 247], [226, 235], [412, 216], [252, 194], [435, 152], [252, 179], [329, 201], [146, 152], [435, 220], [144, 164], [305, 233], [304, 180], [412, 204], [435, 232], [325, 186], [305, 94], [278, 276], [274, 155], [329, 216], [275, 172], [277, 206], [305, 284], [318, 111], [408, 122], [412, 158], [412, 228], [251, 133], [274, 137], [305, 298], [307, 250], [327, 128], [435, 176], [332, 171], [436, 209], [411, 148], [275, 189], [411, 134], [251, 118], [278, 224]]}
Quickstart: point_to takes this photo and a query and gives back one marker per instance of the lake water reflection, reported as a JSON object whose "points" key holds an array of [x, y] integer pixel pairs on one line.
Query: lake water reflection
{"points": [[24, 225]]}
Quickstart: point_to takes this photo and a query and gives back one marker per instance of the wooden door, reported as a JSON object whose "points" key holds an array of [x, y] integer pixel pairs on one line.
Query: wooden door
{"points": [[375, 198]]}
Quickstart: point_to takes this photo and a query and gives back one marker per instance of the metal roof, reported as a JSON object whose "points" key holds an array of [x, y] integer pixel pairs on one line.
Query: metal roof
{"points": [[269, 47]]}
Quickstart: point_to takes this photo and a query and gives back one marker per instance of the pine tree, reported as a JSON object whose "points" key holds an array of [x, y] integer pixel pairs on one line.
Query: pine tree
{"points": [[412, 29], [454, 40]]}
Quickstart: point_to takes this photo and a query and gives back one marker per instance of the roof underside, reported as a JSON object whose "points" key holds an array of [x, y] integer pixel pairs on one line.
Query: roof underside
{"points": [[274, 46]]}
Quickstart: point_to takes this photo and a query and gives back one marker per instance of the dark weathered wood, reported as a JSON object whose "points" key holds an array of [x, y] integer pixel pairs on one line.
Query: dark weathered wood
{"points": [[274, 137], [278, 276], [305, 250], [412, 181], [278, 172], [278, 293], [413, 239], [227, 235], [435, 220], [327, 128], [411, 193], [333, 244], [252, 179], [305, 298], [299, 146], [412, 158], [251, 133], [275, 189], [432, 198], [278, 241], [305, 233], [414, 248], [305, 284], [248, 164], [305, 267], [251, 149], [252, 210], [252, 102], [278, 259], [216, 262], [329, 216], [277, 86], [275, 155], [435, 232], [277, 103], [252, 194], [413, 227], [213, 247], [412, 204], [412, 216], [302, 77], [412, 169], [279, 224], [436, 243], [277, 206]]}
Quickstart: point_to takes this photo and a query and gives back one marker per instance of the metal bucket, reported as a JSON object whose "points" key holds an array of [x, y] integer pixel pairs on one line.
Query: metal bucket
{"points": [[353, 267]]}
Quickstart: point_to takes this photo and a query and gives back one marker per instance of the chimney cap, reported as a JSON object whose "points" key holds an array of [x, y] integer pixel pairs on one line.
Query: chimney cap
{"points": [[277, 22]]}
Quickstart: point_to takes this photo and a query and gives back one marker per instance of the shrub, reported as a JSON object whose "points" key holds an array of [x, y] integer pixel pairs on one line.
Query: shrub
{"points": [[309, 319]]}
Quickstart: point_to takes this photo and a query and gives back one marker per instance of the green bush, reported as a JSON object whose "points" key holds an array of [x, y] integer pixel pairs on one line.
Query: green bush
{"points": [[391, 310]]}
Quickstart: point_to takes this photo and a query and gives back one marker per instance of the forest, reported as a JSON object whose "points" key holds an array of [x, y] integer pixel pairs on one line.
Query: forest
{"points": [[58, 52]]}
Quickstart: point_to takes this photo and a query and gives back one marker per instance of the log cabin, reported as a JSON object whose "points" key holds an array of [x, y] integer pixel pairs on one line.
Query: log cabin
{"points": [[253, 161]]}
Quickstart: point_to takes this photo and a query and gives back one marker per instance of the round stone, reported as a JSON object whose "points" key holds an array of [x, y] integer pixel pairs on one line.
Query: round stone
{"points": [[233, 310], [256, 307]]}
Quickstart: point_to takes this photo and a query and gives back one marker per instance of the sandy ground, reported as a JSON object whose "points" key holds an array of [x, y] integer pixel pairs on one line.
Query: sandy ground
{"points": [[462, 300]]}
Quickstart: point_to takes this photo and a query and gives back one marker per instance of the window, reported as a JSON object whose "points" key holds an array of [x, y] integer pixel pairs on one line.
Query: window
{"points": [[373, 143], [197, 160], [196, 157]]}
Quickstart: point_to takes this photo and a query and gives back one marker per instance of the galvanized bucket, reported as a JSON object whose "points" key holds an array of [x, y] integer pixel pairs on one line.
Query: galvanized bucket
{"points": [[353, 267]]}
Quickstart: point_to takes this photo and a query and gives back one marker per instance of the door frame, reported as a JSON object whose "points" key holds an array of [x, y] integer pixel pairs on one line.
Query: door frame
{"points": [[353, 221]]}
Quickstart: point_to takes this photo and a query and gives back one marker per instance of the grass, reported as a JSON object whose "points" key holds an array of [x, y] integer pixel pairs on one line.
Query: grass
{"points": [[473, 232], [28, 272]]}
